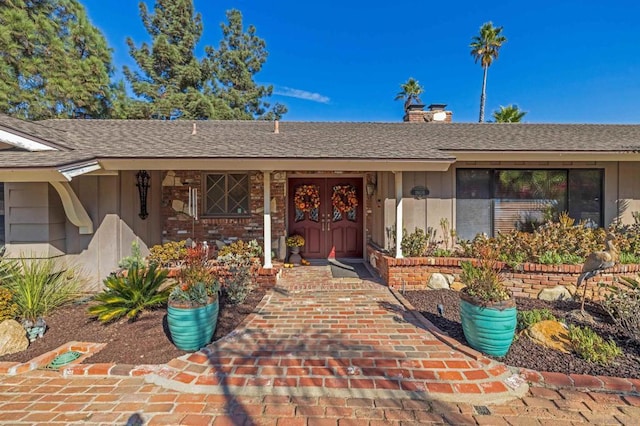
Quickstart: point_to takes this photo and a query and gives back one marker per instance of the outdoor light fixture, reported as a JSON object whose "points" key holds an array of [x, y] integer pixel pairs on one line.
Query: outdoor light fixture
{"points": [[371, 185], [142, 182]]}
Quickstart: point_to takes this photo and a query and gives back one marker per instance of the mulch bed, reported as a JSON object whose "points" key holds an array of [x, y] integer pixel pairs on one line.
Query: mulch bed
{"points": [[144, 341], [524, 352]]}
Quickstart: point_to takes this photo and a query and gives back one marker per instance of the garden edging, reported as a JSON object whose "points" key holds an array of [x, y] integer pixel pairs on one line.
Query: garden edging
{"points": [[551, 380], [527, 280]]}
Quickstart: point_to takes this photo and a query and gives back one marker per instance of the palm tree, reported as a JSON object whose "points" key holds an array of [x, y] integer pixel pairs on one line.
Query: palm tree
{"points": [[485, 48], [411, 91], [508, 114]]}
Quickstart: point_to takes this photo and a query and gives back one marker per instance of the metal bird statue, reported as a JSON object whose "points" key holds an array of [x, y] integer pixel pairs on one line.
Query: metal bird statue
{"points": [[597, 262]]}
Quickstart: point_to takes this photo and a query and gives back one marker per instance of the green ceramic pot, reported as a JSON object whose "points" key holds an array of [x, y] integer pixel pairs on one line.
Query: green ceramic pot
{"points": [[488, 328], [192, 328]]}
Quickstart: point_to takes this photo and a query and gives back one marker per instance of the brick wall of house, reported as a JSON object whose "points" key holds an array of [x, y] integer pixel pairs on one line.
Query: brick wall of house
{"points": [[413, 273], [179, 226]]}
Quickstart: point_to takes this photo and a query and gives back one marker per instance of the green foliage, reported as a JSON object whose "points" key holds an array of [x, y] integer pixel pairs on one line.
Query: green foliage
{"points": [[238, 280], [241, 248], [232, 67], [508, 114], [414, 244], [558, 242], [439, 252], [8, 309], [197, 286], [483, 280], [136, 259], [129, 295], [172, 82], [628, 258], [527, 318], [172, 78], [623, 305], [485, 47], [168, 254], [53, 62], [8, 269], [410, 93], [553, 258], [42, 286], [591, 347]]}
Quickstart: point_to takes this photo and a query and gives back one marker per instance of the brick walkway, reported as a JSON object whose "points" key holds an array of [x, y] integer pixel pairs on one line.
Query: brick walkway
{"points": [[45, 398], [318, 336], [318, 351]]}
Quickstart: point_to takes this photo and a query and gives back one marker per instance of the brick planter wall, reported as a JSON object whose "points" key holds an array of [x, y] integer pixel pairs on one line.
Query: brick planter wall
{"points": [[413, 273]]}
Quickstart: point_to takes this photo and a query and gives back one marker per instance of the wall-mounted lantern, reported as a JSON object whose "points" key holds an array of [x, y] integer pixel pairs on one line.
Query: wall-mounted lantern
{"points": [[142, 182], [371, 185]]}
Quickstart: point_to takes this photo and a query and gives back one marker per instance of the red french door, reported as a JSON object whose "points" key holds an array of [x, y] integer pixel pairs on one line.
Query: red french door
{"points": [[333, 228]]}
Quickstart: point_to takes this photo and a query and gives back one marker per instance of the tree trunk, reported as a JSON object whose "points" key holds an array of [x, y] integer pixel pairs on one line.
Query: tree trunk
{"points": [[483, 95]]}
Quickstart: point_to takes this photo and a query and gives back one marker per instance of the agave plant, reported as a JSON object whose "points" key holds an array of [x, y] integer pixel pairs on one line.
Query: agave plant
{"points": [[130, 295]]}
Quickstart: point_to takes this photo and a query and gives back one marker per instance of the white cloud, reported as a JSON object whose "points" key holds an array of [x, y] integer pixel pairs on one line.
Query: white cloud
{"points": [[301, 94]]}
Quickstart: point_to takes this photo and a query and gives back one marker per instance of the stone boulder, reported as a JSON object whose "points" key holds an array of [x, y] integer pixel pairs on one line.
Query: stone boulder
{"points": [[558, 292], [457, 286], [551, 334], [438, 281], [13, 337]]}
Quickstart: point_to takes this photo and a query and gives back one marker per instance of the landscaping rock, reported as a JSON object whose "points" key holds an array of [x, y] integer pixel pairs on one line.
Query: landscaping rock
{"points": [[457, 286], [438, 281], [558, 292], [552, 334], [13, 338]]}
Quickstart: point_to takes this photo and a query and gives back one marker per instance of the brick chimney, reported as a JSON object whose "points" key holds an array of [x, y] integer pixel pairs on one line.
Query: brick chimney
{"points": [[435, 113]]}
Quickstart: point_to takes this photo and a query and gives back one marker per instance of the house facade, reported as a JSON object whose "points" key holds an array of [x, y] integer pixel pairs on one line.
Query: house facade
{"points": [[83, 190]]}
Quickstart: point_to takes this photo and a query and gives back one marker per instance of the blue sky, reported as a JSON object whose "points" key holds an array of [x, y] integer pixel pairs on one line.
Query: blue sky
{"points": [[565, 61]]}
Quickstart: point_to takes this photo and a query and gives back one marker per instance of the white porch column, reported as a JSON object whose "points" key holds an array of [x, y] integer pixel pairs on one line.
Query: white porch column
{"points": [[266, 182], [399, 226]]}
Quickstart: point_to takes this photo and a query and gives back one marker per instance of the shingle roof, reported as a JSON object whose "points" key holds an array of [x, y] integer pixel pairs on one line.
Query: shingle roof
{"points": [[39, 130], [323, 140]]}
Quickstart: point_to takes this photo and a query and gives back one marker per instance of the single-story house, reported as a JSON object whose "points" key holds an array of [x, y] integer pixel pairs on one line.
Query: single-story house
{"points": [[85, 189]]}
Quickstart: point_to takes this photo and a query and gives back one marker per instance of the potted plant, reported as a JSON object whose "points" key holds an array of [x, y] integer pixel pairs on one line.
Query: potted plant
{"points": [[487, 308], [294, 242], [192, 312]]}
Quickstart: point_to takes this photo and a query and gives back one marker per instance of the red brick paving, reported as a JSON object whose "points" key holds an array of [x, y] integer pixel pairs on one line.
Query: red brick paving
{"points": [[313, 338]]}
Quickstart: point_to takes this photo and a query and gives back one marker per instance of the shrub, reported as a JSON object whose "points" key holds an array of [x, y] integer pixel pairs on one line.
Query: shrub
{"points": [[551, 243], [591, 347], [168, 254], [135, 260], [484, 281], [414, 244], [238, 281], [8, 309], [527, 318], [42, 285], [623, 305], [197, 286], [8, 269], [131, 294], [250, 249]]}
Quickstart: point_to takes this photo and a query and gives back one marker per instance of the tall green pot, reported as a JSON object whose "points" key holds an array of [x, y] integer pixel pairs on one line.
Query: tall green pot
{"points": [[192, 328], [489, 329]]}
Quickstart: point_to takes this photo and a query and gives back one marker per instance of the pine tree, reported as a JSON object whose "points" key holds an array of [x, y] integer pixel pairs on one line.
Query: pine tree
{"points": [[232, 67], [171, 79], [53, 61]]}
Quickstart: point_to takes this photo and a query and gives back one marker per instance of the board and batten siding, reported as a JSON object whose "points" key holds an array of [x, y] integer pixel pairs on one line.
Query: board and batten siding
{"points": [[37, 225], [621, 189]]}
